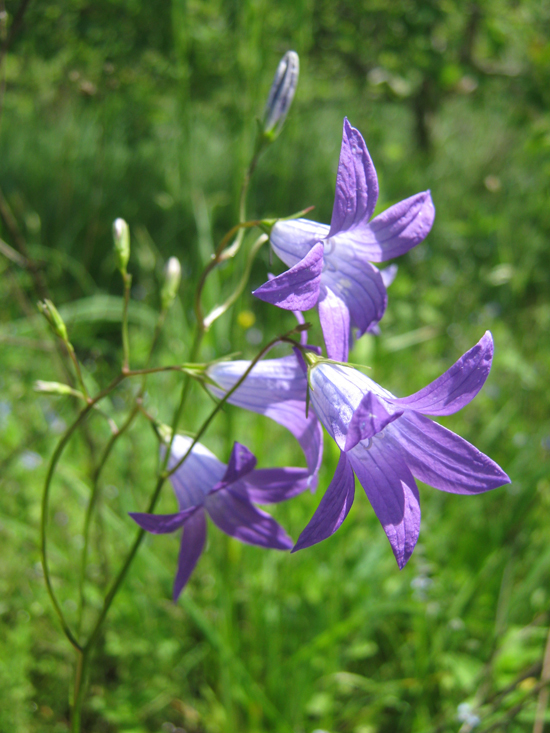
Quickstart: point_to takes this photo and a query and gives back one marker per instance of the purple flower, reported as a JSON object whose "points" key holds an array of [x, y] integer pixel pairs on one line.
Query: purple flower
{"points": [[204, 485], [331, 266], [276, 388], [387, 442]]}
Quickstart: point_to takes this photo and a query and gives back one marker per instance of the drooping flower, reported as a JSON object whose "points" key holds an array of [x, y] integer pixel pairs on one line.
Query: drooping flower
{"points": [[276, 388], [387, 442], [204, 485], [331, 266]]}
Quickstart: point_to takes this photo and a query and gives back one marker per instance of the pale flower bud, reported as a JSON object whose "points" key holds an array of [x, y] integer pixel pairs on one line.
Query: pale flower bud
{"points": [[51, 314], [56, 388], [172, 278], [121, 236], [281, 94]]}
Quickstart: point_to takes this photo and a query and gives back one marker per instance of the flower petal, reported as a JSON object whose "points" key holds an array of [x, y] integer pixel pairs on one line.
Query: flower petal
{"points": [[296, 289], [275, 388], [200, 472], [356, 183], [392, 491], [191, 547], [237, 517], [334, 316], [443, 459], [458, 386], [397, 229], [369, 418], [358, 283], [291, 240], [241, 462], [272, 485], [333, 509], [161, 523]]}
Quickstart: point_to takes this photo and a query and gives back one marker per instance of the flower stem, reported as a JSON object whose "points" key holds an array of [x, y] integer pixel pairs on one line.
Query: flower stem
{"points": [[45, 504], [125, 338]]}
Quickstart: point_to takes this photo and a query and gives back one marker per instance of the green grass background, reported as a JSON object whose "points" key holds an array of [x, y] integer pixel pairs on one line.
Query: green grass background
{"points": [[146, 111]]}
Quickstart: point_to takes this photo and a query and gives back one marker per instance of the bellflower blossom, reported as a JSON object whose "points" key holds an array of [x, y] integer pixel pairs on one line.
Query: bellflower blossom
{"points": [[387, 442], [204, 485], [331, 266]]}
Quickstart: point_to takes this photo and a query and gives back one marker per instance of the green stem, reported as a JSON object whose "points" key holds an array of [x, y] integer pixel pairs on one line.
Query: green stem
{"points": [[125, 338], [45, 504], [94, 498]]}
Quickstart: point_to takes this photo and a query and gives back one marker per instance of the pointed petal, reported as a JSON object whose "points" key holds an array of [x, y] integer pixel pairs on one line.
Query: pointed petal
{"points": [[272, 485], [191, 547], [396, 230], [292, 240], [369, 418], [161, 523], [237, 517], [444, 460], [197, 476], [296, 289], [356, 183], [334, 316], [459, 385], [275, 388], [333, 509], [358, 283], [392, 491], [241, 462]]}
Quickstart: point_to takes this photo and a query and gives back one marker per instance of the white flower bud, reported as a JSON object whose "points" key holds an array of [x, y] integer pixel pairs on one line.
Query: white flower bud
{"points": [[121, 236], [172, 279], [281, 94]]}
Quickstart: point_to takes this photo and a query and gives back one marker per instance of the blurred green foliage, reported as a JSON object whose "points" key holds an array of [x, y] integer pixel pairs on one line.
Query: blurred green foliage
{"points": [[146, 111]]}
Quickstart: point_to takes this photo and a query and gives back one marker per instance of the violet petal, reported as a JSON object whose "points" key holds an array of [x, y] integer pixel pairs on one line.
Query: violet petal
{"points": [[237, 517], [296, 289], [369, 418], [272, 485], [358, 283], [334, 316], [444, 460], [333, 509], [291, 240], [356, 183], [162, 523], [241, 462], [397, 229], [458, 386], [392, 491], [191, 547]]}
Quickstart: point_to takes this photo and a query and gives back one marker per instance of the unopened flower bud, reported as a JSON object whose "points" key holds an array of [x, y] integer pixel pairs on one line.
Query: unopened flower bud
{"points": [[121, 236], [281, 94], [51, 314], [172, 278], [56, 388]]}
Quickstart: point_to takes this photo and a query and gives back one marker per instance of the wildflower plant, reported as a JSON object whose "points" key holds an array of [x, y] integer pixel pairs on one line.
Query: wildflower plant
{"points": [[385, 441]]}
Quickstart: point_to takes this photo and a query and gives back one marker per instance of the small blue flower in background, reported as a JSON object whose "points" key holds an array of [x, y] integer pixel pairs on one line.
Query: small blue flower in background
{"points": [[331, 266], [204, 485]]}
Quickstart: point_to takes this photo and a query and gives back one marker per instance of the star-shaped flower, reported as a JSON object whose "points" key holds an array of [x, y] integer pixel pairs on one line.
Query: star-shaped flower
{"points": [[331, 266], [387, 442], [204, 485]]}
